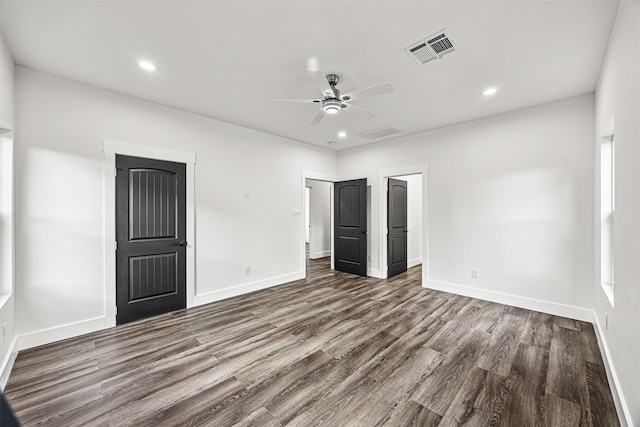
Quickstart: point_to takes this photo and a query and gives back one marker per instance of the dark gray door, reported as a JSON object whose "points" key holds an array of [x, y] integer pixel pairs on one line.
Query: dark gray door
{"points": [[397, 227], [350, 231], [151, 237]]}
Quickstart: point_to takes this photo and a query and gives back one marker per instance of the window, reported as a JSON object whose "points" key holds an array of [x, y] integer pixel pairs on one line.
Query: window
{"points": [[6, 218], [607, 212]]}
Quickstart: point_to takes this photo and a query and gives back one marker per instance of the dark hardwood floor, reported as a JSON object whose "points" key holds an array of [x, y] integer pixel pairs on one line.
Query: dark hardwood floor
{"points": [[334, 350]]}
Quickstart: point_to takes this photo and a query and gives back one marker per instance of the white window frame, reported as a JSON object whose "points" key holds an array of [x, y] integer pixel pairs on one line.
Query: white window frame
{"points": [[607, 211]]}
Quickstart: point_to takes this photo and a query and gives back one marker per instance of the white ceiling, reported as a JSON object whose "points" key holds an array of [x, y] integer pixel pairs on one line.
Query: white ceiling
{"points": [[225, 60]]}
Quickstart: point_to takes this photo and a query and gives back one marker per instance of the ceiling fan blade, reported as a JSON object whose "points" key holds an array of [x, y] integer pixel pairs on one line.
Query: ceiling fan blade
{"points": [[297, 101], [316, 119], [369, 91], [362, 111], [320, 78]]}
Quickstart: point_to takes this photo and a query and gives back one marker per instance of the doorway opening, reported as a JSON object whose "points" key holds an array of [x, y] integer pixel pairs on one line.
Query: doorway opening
{"points": [[324, 227], [111, 148], [318, 220], [403, 220]]}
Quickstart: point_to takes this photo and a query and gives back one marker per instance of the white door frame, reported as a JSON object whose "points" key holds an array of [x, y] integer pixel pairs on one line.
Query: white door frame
{"points": [[110, 148], [383, 176], [318, 176]]}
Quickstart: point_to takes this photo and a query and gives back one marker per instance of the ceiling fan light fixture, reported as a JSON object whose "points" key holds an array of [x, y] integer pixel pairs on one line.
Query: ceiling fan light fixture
{"points": [[332, 106]]}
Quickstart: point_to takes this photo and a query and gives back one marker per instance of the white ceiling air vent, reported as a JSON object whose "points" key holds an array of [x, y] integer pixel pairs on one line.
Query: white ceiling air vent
{"points": [[433, 47], [380, 132]]}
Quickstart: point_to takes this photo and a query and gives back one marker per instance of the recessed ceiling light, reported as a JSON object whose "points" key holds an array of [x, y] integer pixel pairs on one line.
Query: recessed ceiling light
{"points": [[148, 66], [331, 143], [490, 91], [342, 134]]}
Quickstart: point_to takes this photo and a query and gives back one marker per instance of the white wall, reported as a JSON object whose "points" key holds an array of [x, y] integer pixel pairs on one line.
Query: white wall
{"points": [[618, 95], [60, 202], [511, 195], [320, 219], [7, 303], [414, 218]]}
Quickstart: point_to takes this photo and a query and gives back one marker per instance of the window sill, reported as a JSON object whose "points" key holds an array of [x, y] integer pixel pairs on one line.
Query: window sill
{"points": [[608, 291], [3, 299]]}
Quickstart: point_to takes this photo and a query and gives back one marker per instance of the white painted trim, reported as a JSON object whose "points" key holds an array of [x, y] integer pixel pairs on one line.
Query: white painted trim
{"points": [[244, 288], [573, 312], [383, 175], [147, 151], [110, 148], [624, 414], [7, 364], [414, 262], [5, 127], [373, 272], [319, 176], [321, 254], [59, 333], [4, 298]]}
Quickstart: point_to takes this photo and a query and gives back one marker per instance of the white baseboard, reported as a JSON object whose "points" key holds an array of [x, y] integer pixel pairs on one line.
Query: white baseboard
{"points": [[414, 262], [234, 291], [321, 254], [556, 309], [624, 414], [374, 272], [58, 333], [7, 364]]}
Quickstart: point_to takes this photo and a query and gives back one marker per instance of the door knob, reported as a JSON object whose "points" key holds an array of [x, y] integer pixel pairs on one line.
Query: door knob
{"points": [[182, 243]]}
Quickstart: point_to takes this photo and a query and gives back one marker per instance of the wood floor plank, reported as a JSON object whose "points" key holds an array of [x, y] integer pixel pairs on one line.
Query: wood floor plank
{"points": [[480, 401], [395, 388], [560, 412], [591, 350], [567, 323], [330, 349], [503, 344], [538, 330], [567, 376], [527, 378], [441, 387], [412, 414], [259, 418], [600, 400]]}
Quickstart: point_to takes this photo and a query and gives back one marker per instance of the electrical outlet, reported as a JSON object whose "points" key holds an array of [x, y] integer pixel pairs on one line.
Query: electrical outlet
{"points": [[4, 331], [247, 269], [475, 273], [606, 321]]}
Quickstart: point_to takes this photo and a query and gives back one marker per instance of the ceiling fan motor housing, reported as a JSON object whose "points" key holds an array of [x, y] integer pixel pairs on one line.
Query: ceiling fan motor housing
{"points": [[333, 79]]}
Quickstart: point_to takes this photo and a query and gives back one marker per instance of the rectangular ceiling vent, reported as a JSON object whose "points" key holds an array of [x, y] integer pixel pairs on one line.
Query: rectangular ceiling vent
{"points": [[380, 132], [433, 47]]}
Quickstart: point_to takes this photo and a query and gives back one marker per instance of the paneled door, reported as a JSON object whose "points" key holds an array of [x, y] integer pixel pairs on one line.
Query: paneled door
{"points": [[397, 227], [151, 237], [350, 226]]}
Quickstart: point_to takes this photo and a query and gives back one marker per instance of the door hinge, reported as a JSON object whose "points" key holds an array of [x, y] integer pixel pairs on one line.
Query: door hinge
{"points": [[387, 230], [115, 246], [115, 171]]}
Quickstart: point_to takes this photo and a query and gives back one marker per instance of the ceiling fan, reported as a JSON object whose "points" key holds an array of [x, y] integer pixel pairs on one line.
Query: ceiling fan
{"points": [[333, 102]]}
